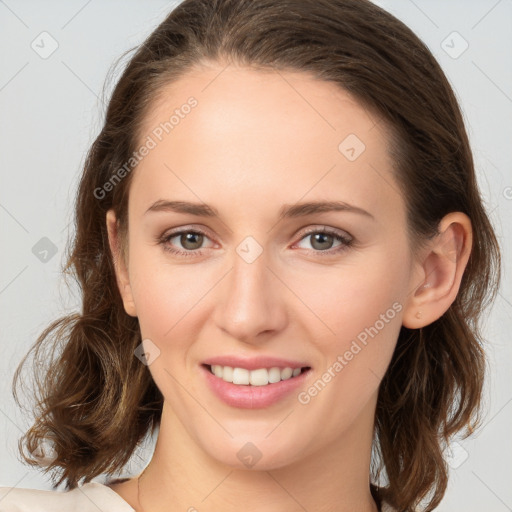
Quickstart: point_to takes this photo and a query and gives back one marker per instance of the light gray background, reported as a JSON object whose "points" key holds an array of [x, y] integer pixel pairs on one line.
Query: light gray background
{"points": [[51, 110]]}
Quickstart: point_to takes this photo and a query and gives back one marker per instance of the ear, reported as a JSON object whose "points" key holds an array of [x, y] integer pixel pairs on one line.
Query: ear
{"points": [[439, 272], [122, 277]]}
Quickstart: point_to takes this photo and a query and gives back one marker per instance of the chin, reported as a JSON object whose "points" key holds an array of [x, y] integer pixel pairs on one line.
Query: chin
{"points": [[257, 453]]}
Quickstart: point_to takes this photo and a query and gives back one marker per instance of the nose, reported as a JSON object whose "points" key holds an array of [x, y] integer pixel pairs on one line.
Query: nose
{"points": [[251, 302]]}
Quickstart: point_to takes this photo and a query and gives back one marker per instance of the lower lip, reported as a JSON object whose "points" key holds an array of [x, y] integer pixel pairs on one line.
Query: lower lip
{"points": [[252, 397]]}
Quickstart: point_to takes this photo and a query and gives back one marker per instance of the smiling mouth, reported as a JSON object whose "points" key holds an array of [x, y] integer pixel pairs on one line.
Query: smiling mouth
{"points": [[257, 377]]}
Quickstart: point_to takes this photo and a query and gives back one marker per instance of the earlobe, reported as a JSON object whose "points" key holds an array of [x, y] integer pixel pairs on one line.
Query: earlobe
{"points": [[441, 269], [122, 276]]}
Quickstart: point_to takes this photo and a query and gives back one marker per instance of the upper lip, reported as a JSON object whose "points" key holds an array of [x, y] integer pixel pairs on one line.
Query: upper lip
{"points": [[253, 363]]}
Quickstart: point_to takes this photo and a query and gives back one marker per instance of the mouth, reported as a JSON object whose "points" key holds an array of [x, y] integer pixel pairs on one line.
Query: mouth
{"points": [[255, 382], [256, 388], [257, 377]]}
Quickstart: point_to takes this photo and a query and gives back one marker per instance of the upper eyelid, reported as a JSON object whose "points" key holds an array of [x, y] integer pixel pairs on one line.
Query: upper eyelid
{"points": [[323, 228]]}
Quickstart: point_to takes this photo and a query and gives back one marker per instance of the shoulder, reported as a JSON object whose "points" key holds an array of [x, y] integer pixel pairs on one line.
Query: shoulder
{"points": [[92, 496]]}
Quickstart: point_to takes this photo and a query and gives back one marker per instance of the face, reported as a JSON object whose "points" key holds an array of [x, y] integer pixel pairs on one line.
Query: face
{"points": [[320, 288]]}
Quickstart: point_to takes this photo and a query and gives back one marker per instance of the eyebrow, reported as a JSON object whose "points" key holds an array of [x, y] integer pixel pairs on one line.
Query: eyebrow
{"points": [[286, 212]]}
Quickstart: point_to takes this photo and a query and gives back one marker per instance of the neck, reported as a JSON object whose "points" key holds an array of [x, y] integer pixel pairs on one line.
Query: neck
{"points": [[182, 476]]}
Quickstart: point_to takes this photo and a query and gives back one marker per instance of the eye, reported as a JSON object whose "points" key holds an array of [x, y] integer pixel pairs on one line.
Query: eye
{"points": [[191, 240], [322, 241]]}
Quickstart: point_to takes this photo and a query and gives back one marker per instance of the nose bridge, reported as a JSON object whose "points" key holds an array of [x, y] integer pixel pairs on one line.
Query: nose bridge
{"points": [[249, 301]]}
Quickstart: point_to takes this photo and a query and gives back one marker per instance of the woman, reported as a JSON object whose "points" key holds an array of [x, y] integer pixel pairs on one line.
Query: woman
{"points": [[283, 257]]}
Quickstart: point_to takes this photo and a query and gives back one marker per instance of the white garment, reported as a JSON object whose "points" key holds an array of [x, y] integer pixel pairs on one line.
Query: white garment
{"points": [[89, 497]]}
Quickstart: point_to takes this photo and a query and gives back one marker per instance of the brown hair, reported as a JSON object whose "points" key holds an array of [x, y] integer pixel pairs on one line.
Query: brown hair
{"points": [[96, 404]]}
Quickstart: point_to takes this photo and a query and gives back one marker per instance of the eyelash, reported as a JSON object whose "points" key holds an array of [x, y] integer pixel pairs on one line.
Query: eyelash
{"points": [[345, 242]]}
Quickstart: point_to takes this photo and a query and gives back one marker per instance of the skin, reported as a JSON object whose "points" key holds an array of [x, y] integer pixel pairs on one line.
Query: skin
{"points": [[256, 141]]}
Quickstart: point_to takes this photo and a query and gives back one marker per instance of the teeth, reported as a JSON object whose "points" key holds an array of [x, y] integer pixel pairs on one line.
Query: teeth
{"points": [[259, 377], [286, 373], [240, 376], [274, 375], [227, 373]]}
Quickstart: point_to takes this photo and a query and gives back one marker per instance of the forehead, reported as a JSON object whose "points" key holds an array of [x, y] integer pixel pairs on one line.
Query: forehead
{"points": [[255, 134], [262, 103]]}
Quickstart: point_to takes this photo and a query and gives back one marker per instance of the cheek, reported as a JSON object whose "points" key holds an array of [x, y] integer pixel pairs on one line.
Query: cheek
{"points": [[362, 310], [358, 314], [162, 297], [354, 296], [168, 297]]}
